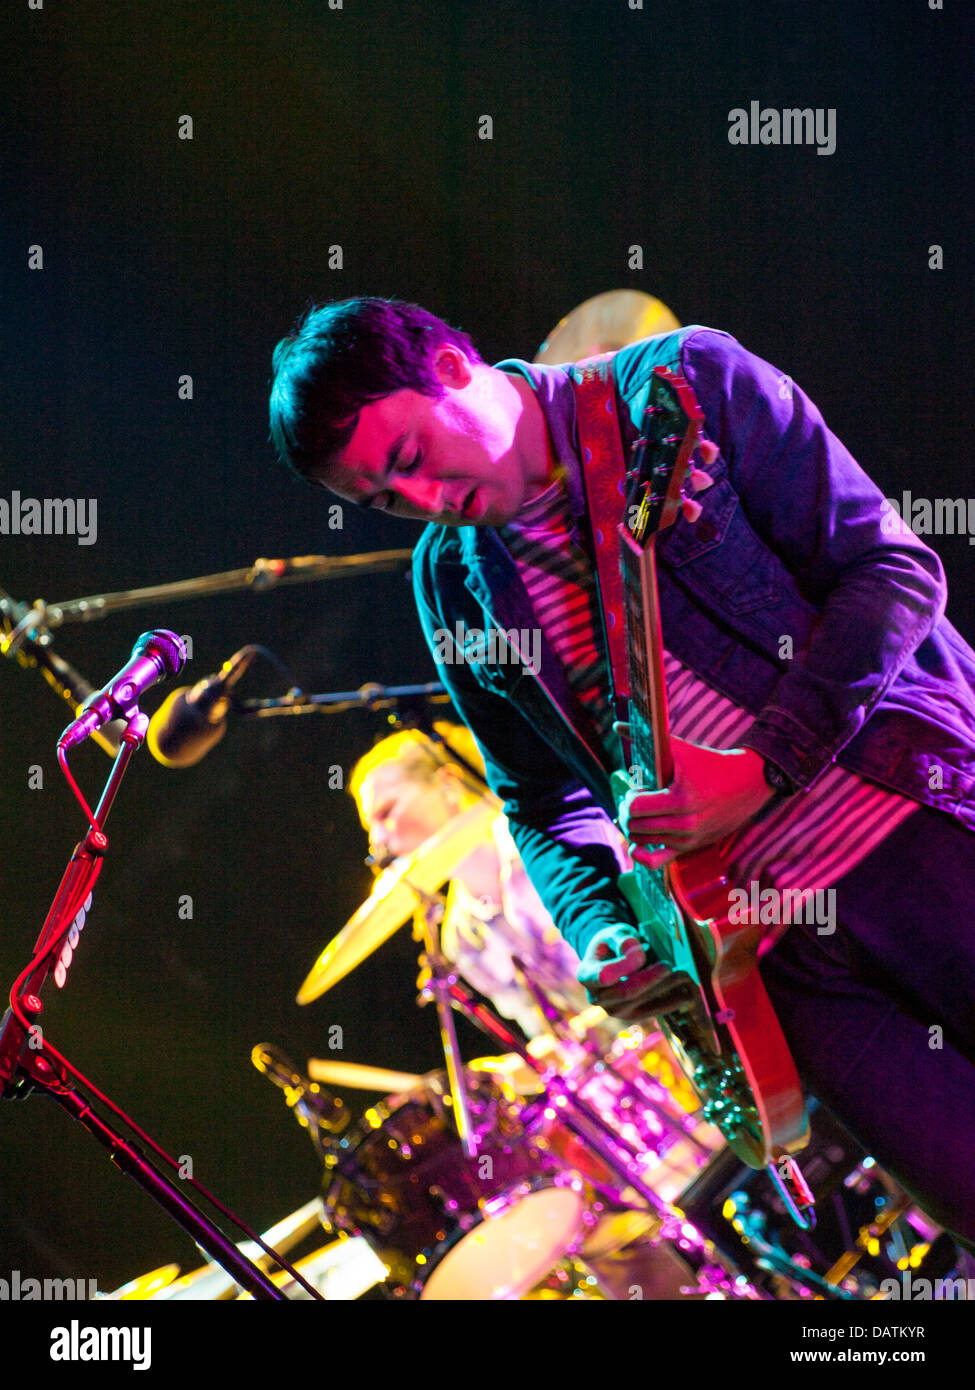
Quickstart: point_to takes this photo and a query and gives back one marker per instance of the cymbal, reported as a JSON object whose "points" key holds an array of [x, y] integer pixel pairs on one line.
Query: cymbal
{"points": [[146, 1286], [603, 324], [362, 1078], [344, 1270], [393, 902], [211, 1282]]}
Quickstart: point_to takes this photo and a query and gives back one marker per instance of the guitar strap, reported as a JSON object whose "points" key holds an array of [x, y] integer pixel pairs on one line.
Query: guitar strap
{"points": [[603, 482]]}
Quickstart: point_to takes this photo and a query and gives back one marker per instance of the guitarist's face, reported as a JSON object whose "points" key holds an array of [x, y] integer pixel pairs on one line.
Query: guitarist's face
{"points": [[458, 460]]}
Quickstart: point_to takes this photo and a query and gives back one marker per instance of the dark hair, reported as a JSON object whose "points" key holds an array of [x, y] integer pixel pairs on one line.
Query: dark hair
{"points": [[340, 357]]}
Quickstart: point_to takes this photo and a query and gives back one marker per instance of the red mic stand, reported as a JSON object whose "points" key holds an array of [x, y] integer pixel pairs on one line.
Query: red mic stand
{"points": [[28, 1061]]}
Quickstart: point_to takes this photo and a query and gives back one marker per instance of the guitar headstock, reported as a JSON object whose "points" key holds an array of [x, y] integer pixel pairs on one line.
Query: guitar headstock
{"points": [[661, 456]]}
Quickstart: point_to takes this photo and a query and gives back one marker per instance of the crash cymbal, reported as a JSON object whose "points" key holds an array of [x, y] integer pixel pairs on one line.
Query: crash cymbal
{"points": [[603, 324], [362, 1078], [392, 902]]}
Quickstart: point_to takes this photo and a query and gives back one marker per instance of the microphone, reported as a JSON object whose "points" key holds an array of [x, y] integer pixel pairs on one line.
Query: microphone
{"points": [[319, 1111], [191, 721], [155, 656]]}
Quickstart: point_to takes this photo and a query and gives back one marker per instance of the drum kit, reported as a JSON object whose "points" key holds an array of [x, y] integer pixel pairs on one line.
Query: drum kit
{"points": [[533, 1174], [570, 1166]]}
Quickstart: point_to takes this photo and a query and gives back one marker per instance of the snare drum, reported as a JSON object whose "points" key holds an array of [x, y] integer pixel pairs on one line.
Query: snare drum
{"points": [[447, 1226]]}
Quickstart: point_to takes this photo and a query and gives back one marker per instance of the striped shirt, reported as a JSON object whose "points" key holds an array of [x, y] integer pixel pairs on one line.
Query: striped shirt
{"points": [[556, 571], [804, 844]]}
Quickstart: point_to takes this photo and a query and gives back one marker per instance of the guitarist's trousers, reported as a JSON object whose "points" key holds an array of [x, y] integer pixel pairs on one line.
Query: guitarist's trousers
{"points": [[880, 1011]]}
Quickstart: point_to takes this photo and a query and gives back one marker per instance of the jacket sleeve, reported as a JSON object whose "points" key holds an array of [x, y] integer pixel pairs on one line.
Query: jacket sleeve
{"points": [[878, 588], [567, 842]]}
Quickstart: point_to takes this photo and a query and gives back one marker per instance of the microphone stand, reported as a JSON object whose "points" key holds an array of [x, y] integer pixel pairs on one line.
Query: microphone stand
{"points": [[261, 576], [409, 705], [28, 1061], [25, 629], [370, 696]]}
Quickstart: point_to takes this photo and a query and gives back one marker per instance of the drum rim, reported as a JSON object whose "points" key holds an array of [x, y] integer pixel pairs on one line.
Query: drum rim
{"points": [[527, 1188]]}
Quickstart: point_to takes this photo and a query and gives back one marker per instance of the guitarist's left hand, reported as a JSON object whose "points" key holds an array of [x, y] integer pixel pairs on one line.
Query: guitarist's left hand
{"points": [[712, 794]]}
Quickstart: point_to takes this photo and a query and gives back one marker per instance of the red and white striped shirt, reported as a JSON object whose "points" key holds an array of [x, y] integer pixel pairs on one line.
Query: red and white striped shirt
{"points": [[803, 845]]}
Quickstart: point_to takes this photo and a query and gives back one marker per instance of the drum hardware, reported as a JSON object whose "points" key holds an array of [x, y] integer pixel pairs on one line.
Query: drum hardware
{"points": [[323, 1114], [557, 1026], [637, 1090], [867, 1228], [427, 922], [428, 1205], [446, 1225], [716, 1273], [571, 1279]]}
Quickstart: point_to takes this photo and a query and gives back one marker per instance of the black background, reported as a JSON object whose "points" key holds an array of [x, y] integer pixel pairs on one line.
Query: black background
{"points": [[357, 127]]}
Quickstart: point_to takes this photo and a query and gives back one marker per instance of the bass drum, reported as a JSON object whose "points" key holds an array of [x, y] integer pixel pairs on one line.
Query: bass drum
{"points": [[447, 1226]]}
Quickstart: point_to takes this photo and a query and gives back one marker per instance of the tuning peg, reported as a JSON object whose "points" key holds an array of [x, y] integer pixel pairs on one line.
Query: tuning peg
{"points": [[699, 479], [691, 509]]}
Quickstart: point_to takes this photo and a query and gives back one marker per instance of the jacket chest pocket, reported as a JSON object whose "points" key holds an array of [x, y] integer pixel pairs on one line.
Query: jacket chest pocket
{"points": [[720, 556]]}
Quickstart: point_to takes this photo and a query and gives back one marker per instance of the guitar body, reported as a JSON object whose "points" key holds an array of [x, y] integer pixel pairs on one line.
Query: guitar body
{"points": [[738, 997], [726, 1036]]}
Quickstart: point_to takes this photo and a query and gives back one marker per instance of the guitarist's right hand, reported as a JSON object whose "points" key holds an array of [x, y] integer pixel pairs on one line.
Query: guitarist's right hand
{"points": [[616, 975]]}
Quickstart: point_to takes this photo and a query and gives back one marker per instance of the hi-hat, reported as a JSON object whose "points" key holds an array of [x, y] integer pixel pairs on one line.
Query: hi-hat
{"points": [[393, 902], [603, 324]]}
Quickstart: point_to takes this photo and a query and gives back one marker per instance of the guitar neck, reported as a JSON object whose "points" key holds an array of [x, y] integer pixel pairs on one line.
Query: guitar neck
{"points": [[649, 720]]}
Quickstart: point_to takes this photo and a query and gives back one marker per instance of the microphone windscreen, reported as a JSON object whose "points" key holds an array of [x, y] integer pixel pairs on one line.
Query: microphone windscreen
{"points": [[180, 734]]}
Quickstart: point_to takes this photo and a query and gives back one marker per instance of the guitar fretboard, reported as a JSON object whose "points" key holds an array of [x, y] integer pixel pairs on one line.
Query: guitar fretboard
{"points": [[651, 882]]}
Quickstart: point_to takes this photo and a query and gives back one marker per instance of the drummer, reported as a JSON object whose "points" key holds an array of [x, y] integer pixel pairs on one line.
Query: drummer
{"points": [[407, 787]]}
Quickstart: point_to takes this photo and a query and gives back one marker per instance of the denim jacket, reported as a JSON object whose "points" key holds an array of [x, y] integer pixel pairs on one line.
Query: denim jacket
{"points": [[798, 594]]}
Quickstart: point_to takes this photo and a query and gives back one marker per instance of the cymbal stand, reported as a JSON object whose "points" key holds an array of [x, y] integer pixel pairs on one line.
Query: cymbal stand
{"points": [[638, 1091], [427, 920]]}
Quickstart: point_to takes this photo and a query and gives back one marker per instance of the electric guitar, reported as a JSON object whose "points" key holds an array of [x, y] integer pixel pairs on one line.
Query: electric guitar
{"points": [[723, 1029]]}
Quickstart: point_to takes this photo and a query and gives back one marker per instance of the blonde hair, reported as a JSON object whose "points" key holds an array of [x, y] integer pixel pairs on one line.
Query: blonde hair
{"points": [[419, 756]]}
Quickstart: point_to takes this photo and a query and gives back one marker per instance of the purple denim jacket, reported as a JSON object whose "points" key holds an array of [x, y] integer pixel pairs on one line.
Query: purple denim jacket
{"points": [[796, 551]]}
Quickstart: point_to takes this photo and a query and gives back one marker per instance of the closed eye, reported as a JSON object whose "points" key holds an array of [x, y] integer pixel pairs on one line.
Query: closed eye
{"points": [[385, 501], [406, 470]]}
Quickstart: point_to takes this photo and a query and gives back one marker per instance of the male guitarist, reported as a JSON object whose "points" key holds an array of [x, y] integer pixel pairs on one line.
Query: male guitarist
{"points": [[823, 709]]}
